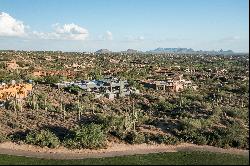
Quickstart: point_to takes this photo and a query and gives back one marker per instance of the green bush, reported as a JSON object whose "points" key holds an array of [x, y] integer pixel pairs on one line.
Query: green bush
{"points": [[236, 112], [164, 106], [135, 137], [2, 138], [89, 136], [232, 136], [194, 135], [169, 140], [52, 79], [161, 139], [73, 89], [43, 138], [116, 125]]}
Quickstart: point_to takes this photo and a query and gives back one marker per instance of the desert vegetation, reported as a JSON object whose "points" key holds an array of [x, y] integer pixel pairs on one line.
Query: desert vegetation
{"points": [[215, 114]]}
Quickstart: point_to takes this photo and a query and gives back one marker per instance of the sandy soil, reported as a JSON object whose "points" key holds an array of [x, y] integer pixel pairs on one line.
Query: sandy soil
{"points": [[114, 149]]}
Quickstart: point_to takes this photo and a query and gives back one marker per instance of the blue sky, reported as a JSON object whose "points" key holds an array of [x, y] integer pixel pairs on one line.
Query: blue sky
{"points": [[89, 25]]}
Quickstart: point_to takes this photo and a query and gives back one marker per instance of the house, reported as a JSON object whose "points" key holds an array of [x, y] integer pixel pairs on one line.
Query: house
{"points": [[171, 84], [109, 87], [164, 72], [18, 91], [12, 65]]}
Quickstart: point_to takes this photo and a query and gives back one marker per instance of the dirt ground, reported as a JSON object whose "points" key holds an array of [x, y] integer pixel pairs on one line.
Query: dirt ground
{"points": [[114, 149]]}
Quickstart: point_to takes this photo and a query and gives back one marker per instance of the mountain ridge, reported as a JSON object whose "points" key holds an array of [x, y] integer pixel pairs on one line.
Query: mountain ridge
{"points": [[170, 50]]}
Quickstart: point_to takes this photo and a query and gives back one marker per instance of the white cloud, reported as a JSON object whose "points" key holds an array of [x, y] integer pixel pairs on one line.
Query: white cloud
{"points": [[230, 39], [140, 38], [107, 36], [42, 35], [9, 26], [131, 38], [71, 32], [65, 32]]}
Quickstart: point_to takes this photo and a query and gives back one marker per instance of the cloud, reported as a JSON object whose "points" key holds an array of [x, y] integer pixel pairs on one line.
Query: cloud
{"points": [[167, 40], [42, 35], [172, 40], [65, 32], [131, 38], [107, 36], [71, 32], [9, 26], [230, 39], [140, 38]]}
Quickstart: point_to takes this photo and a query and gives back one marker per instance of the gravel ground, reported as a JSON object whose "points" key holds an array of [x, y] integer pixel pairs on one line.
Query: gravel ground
{"points": [[114, 149]]}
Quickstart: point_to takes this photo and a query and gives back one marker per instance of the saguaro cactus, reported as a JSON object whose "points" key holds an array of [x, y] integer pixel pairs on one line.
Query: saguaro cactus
{"points": [[79, 109], [93, 109], [45, 103], [64, 113], [134, 116], [34, 102]]}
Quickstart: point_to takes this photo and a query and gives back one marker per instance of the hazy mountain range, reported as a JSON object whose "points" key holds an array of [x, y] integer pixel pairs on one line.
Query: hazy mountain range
{"points": [[170, 50]]}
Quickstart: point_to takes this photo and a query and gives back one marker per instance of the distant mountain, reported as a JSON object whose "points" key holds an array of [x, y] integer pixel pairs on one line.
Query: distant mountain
{"points": [[103, 51], [187, 50], [130, 51], [172, 50]]}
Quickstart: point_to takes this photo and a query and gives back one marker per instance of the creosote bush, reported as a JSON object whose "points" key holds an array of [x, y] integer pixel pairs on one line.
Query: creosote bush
{"points": [[2, 138], [42, 138], [89, 136], [161, 139], [135, 137]]}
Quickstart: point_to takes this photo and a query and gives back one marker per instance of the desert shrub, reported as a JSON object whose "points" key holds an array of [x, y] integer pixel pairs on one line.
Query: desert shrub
{"points": [[89, 136], [192, 130], [18, 136], [2, 65], [10, 105], [3, 138], [42, 138], [197, 104], [135, 137], [232, 136], [236, 112], [194, 136], [170, 140], [71, 107], [116, 125], [73, 89], [164, 106], [190, 123], [142, 118], [52, 79], [161, 139]]}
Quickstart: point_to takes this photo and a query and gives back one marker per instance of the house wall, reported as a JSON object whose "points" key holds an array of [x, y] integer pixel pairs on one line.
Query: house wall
{"points": [[18, 90]]}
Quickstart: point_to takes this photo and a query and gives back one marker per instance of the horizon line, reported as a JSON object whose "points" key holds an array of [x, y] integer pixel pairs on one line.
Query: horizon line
{"points": [[139, 51]]}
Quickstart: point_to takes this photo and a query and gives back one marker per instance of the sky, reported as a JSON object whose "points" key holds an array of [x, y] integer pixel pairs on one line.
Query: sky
{"points": [[90, 25]]}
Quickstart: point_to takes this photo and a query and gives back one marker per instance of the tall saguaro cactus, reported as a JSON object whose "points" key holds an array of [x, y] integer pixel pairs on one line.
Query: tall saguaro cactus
{"points": [[64, 114], [79, 109], [45, 103], [134, 116], [34, 102], [93, 109]]}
